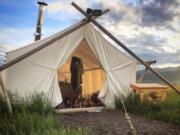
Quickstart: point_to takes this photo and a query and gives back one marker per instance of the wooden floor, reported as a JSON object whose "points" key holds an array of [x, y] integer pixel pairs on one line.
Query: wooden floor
{"points": [[73, 110]]}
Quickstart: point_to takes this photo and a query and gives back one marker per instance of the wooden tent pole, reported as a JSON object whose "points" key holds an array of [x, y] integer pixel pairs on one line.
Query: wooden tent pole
{"points": [[125, 48], [20, 58], [5, 96], [135, 56], [141, 78], [1, 92]]}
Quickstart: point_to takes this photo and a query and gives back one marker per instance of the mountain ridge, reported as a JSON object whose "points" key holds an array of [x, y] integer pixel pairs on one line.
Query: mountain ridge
{"points": [[170, 73]]}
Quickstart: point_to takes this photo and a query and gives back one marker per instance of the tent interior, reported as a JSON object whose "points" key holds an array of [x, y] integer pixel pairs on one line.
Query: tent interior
{"points": [[93, 77]]}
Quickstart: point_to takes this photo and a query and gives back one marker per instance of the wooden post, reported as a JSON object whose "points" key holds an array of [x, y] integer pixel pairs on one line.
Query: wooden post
{"points": [[1, 93], [5, 96], [141, 78], [125, 48]]}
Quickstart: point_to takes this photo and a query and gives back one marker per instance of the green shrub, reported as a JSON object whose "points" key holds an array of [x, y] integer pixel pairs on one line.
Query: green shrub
{"points": [[167, 110], [36, 103], [101, 128], [26, 123], [32, 116]]}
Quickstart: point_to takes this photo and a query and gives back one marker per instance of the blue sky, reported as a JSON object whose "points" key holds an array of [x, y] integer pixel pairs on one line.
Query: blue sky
{"points": [[18, 22], [150, 28]]}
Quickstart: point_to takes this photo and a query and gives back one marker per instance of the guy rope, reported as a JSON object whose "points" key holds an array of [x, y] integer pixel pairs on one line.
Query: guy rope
{"points": [[127, 117]]}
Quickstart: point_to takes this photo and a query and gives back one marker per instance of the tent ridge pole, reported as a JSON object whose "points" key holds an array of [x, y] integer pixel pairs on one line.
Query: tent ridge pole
{"points": [[126, 48]]}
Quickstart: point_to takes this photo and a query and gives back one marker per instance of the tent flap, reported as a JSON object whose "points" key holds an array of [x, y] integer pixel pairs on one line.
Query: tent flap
{"points": [[38, 72], [120, 69]]}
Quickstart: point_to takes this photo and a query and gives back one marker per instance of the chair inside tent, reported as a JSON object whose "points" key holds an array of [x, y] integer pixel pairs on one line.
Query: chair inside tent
{"points": [[93, 78]]}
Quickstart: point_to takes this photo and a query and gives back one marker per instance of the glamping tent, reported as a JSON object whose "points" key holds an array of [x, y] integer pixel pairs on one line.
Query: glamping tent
{"points": [[105, 67], [38, 67]]}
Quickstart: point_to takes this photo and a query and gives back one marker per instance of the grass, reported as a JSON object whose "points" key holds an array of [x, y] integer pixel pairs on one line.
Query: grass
{"points": [[33, 116], [167, 111]]}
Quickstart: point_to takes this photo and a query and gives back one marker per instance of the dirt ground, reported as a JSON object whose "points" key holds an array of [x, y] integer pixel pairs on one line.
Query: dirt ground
{"points": [[113, 123]]}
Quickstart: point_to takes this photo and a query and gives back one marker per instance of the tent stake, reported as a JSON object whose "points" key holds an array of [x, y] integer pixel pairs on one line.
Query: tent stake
{"points": [[125, 48], [5, 96]]}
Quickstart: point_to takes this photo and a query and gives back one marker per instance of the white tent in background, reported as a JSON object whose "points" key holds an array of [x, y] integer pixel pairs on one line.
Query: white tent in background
{"points": [[39, 72]]}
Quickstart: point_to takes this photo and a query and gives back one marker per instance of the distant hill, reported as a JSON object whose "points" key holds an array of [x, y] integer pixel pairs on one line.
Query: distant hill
{"points": [[171, 73]]}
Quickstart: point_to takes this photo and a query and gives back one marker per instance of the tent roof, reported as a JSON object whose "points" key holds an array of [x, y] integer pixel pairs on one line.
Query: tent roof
{"points": [[22, 50]]}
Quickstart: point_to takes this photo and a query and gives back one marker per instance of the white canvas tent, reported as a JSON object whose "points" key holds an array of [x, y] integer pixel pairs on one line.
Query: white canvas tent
{"points": [[39, 72]]}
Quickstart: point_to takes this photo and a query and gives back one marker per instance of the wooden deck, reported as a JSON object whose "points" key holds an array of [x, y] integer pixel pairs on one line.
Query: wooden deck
{"points": [[74, 110], [153, 91]]}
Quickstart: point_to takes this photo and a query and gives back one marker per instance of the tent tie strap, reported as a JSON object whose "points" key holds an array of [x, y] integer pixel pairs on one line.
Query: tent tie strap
{"points": [[51, 69]]}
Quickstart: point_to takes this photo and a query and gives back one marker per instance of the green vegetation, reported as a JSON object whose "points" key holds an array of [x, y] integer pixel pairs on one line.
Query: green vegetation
{"points": [[33, 116], [101, 128], [167, 111]]}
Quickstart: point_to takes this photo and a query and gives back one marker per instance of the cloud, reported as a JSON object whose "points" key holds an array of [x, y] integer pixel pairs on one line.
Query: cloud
{"points": [[6, 48], [55, 7], [152, 47], [16, 37], [120, 12], [61, 6], [158, 12], [146, 13], [12, 38], [150, 28]]}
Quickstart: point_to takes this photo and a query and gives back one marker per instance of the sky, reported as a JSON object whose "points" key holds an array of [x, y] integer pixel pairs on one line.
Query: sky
{"points": [[150, 28]]}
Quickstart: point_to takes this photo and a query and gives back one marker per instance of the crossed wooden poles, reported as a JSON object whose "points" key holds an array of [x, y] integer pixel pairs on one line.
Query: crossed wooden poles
{"points": [[88, 19], [124, 47], [141, 78]]}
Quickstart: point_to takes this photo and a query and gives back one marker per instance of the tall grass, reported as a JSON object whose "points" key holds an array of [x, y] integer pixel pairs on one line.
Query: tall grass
{"points": [[33, 116], [167, 110]]}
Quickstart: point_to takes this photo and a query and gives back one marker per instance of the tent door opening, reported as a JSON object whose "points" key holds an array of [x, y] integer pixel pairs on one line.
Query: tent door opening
{"points": [[80, 79]]}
